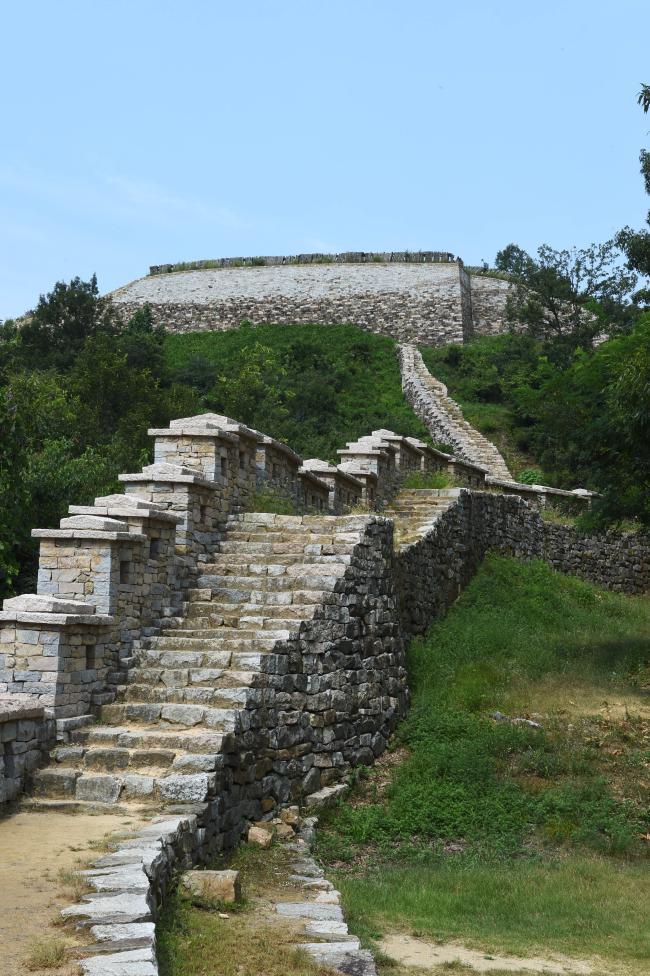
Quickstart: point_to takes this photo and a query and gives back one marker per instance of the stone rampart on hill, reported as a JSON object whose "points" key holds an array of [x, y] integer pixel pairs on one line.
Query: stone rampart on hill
{"points": [[211, 662], [422, 297]]}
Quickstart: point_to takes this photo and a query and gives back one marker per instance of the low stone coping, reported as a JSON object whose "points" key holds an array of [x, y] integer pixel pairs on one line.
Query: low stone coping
{"points": [[325, 469], [361, 452], [44, 603], [99, 536], [95, 521], [350, 468], [19, 707], [311, 477], [217, 421], [34, 608], [171, 474], [56, 619], [378, 442], [579, 494], [124, 512], [464, 463], [207, 432], [279, 446]]}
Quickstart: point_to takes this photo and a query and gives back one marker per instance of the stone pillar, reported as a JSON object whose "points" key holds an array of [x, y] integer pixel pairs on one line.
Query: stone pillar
{"points": [[57, 651], [408, 455], [183, 492], [314, 493], [221, 448]]}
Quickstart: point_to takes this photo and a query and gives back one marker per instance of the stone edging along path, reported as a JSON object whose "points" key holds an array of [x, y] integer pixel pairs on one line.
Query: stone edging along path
{"points": [[131, 881]]}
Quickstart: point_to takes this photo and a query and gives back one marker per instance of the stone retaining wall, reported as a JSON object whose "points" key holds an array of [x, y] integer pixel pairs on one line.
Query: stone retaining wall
{"points": [[424, 297], [432, 572], [26, 736]]}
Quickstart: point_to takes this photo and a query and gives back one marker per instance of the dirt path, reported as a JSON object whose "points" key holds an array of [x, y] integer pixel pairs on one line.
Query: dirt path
{"points": [[410, 951], [34, 849]]}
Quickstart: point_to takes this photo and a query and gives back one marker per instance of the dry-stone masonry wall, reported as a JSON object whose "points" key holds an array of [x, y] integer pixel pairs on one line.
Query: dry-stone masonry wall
{"points": [[442, 415], [452, 529], [425, 297], [445, 422], [223, 663], [26, 736]]}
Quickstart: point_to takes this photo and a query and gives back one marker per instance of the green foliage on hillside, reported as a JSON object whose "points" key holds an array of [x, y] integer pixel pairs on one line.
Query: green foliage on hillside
{"points": [[313, 387], [585, 421], [78, 390], [469, 795], [502, 787]]}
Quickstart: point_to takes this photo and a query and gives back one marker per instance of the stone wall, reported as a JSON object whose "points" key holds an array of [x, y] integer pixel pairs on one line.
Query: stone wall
{"points": [[489, 296], [346, 257], [442, 415], [26, 736], [427, 298], [432, 572]]}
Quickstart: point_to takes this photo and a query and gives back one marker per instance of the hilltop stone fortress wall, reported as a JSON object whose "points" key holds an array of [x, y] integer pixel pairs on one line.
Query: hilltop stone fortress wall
{"points": [[426, 297], [99, 666]]}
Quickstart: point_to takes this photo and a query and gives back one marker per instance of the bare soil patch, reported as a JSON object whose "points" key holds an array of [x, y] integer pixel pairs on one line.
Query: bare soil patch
{"points": [[36, 849]]}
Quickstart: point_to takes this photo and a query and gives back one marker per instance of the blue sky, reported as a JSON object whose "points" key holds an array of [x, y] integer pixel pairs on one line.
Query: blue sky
{"points": [[134, 133]]}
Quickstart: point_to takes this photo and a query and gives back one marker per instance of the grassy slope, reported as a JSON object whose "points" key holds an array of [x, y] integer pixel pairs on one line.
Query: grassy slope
{"points": [[472, 375], [318, 386], [502, 835]]}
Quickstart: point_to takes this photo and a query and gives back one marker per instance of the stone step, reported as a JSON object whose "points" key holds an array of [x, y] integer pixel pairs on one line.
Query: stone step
{"points": [[112, 758], [192, 677], [240, 589], [204, 640], [187, 741], [180, 637], [248, 617], [183, 715], [272, 563], [107, 788], [174, 659], [214, 697], [310, 590]]}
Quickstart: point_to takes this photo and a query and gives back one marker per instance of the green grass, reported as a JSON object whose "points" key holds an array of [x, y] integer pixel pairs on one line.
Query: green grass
{"points": [[436, 479], [499, 832], [199, 939], [313, 387], [580, 906]]}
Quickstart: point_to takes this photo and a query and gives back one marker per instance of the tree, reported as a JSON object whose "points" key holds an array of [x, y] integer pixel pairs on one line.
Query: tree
{"points": [[56, 330], [636, 244], [569, 296]]}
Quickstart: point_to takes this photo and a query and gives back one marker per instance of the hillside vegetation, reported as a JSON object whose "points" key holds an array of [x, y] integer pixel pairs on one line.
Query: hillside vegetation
{"points": [[569, 417], [312, 386], [78, 390], [505, 834]]}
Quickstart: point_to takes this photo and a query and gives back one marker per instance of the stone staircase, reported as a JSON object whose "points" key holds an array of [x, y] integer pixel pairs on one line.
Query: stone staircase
{"points": [[189, 693], [415, 511], [444, 418]]}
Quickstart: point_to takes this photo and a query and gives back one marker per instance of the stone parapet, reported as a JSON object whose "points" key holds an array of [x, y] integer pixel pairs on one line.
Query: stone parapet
{"points": [[26, 735], [345, 491]]}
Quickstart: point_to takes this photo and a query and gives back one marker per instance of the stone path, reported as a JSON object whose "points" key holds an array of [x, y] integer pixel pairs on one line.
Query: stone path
{"points": [[415, 510], [186, 694], [443, 417], [189, 690]]}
